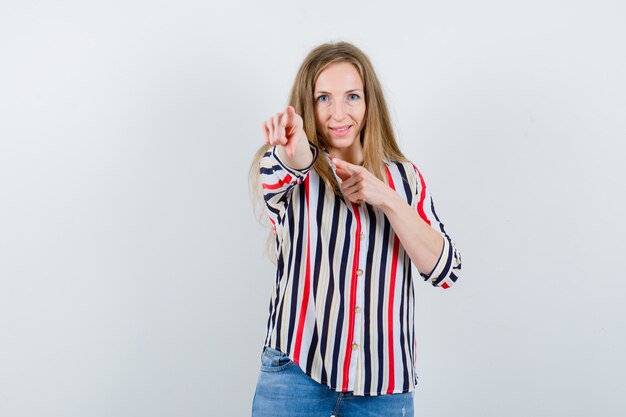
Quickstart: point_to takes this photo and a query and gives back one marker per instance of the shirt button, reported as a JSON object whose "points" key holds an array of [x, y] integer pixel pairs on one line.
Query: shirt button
{"points": [[357, 309], [359, 272], [361, 235], [355, 346]]}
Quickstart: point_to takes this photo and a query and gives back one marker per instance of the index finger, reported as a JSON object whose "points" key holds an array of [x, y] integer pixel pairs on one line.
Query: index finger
{"points": [[345, 166], [291, 116]]}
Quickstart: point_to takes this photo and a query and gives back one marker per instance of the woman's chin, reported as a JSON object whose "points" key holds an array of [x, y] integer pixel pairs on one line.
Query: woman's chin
{"points": [[341, 143]]}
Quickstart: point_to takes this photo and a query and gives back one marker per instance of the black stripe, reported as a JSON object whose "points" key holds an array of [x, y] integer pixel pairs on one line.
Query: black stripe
{"points": [[331, 285], [311, 354], [290, 222], [268, 196], [381, 297], [405, 183], [273, 210], [268, 326], [280, 264], [410, 312], [316, 267], [432, 208], [274, 206], [297, 263], [343, 301], [279, 318], [369, 306], [319, 244], [446, 268], [405, 385], [412, 329], [269, 171], [457, 255]]}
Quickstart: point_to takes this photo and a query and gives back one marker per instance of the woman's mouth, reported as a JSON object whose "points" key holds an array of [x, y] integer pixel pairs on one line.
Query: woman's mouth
{"points": [[340, 131]]}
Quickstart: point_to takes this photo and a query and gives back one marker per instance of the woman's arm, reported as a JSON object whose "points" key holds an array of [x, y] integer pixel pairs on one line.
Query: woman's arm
{"points": [[421, 242], [431, 252], [286, 164]]}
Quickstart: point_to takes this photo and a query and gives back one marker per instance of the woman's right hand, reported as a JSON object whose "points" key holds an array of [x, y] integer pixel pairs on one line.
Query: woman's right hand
{"points": [[286, 129]]}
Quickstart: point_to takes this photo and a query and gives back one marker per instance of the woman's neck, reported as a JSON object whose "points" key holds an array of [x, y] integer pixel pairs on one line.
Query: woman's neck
{"points": [[353, 154]]}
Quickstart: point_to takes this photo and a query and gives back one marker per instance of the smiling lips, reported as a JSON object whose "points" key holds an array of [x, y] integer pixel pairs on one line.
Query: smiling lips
{"points": [[341, 131]]}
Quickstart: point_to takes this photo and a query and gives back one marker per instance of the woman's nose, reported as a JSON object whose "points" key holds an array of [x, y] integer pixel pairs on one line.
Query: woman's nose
{"points": [[338, 111]]}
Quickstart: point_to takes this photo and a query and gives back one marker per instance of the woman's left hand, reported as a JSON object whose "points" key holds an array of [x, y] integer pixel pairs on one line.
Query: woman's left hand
{"points": [[361, 186]]}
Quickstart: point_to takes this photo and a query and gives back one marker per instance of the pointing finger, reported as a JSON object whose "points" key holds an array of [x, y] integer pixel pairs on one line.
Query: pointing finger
{"points": [[289, 111], [342, 173], [293, 118], [285, 128], [346, 167]]}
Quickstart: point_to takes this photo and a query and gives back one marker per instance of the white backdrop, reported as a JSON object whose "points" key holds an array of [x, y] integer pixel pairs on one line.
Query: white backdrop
{"points": [[132, 275]]}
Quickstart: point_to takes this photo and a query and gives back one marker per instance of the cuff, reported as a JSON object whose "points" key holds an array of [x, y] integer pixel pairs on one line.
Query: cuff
{"points": [[297, 173], [443, 266]]}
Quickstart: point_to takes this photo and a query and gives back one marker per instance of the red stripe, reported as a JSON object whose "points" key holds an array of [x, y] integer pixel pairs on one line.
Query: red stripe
{"points": [[420, 204], [307, 280], [392, 285], [355, 266], [273, 224], [279, 184]]}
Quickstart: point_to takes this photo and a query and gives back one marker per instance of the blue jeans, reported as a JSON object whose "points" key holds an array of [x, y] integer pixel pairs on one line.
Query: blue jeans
{"points": [[284, 390]]}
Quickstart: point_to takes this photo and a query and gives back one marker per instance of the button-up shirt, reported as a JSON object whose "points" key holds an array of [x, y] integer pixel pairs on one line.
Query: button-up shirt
{"points": [[342, 302]]}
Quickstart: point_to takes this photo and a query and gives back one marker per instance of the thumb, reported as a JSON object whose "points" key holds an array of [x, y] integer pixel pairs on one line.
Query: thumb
{"points": [[290, 147]]}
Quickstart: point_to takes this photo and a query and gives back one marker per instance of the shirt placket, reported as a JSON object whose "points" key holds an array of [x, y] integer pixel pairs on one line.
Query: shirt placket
{"points": [[357, 369]]}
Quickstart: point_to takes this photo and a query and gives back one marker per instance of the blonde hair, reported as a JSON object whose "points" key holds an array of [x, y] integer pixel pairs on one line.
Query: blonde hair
{"points": [[377, 137]]}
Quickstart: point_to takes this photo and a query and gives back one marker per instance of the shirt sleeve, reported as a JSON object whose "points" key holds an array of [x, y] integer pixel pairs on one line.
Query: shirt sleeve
{"points": [[448, 267], [278, 181]]}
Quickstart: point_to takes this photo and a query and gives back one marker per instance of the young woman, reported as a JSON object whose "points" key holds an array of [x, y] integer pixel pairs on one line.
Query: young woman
{"points": [[349, 214]]}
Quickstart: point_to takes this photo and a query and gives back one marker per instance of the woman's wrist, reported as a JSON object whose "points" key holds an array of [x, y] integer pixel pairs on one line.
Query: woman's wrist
{"points": [[302, 158], [391, 201]]}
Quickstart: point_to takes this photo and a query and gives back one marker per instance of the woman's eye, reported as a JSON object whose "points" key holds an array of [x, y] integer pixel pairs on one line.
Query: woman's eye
{"points": [[354, 97], [322, 99]]}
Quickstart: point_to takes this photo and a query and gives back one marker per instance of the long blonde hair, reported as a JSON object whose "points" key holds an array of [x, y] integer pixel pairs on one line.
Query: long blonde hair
{"points": [[377, 137]]}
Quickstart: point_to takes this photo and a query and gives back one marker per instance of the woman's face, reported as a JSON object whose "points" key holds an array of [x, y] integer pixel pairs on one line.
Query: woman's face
{"points": [[340, 108]]}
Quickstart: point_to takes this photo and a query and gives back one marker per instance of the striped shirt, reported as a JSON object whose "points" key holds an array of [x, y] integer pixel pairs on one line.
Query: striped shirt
{"points": [[342, 303]]}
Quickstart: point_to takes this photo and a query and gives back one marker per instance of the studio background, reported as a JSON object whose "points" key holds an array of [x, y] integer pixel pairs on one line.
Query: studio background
{"points": [[133, 280]]}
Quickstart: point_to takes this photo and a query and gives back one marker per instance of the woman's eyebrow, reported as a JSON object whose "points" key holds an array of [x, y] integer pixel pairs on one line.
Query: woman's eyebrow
{"points": [[349, 91]]}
